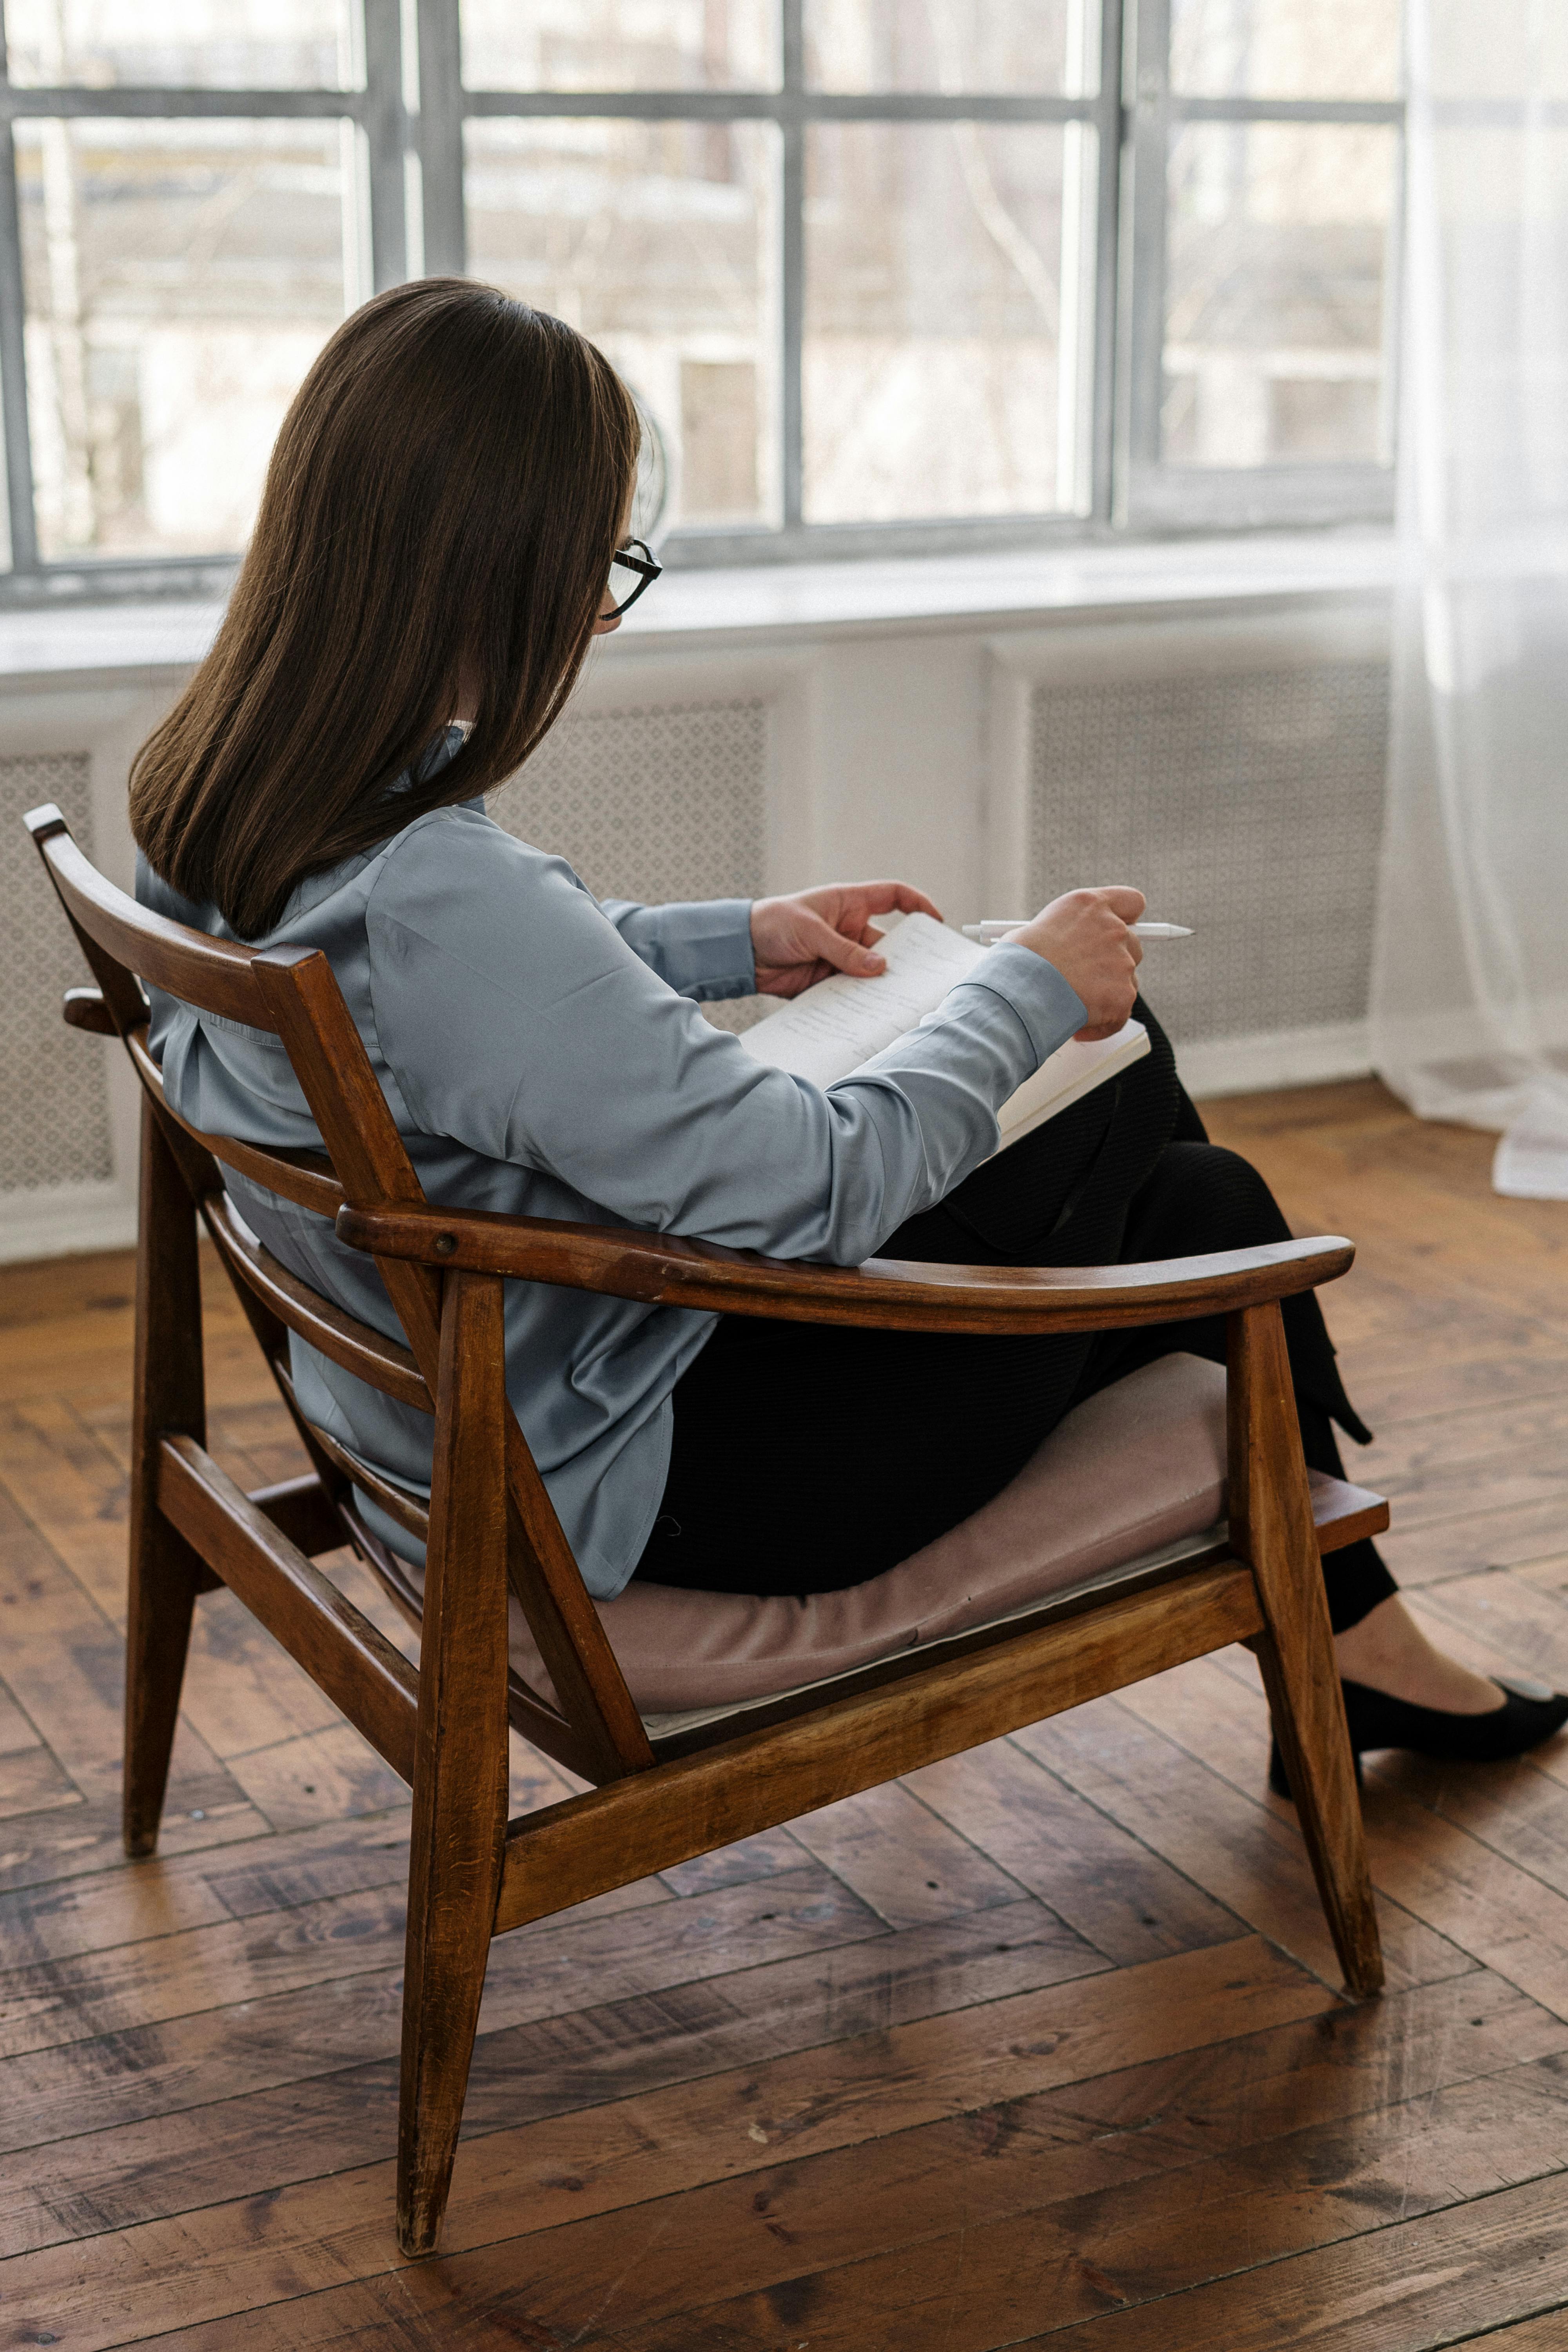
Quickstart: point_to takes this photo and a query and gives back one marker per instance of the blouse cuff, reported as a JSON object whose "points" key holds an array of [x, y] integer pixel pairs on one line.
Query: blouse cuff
{"points": [[1047, 1006]]}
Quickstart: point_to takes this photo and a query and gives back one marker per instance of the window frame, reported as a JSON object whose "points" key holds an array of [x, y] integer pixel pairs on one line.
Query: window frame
{"points": [[1151, 493], [409, 116], [792, 106], [381, 118]]}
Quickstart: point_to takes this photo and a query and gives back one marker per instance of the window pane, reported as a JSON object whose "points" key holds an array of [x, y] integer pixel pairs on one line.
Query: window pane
{"points": [[1274, 321], [181, 277], [932, 318], [1012, 45], [620, 44], [1285, 48], [657, 239], [206, 44]]}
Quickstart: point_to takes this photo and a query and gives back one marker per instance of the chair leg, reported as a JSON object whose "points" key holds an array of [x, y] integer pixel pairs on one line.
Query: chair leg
{"points": [[169, 1395], [1271, 1529], [460, 1760]]}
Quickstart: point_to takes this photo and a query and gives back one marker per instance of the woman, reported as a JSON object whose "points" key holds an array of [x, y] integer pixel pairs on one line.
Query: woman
{"points": [[434, 554]]}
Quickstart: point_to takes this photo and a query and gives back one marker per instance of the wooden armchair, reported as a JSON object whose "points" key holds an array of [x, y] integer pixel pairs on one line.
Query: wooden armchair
{"points": [[658, 1798]]}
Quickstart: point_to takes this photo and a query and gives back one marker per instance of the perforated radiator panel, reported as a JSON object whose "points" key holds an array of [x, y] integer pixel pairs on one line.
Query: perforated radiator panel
{"points": [[55, 1126], [1248, 803], [655, 804]]}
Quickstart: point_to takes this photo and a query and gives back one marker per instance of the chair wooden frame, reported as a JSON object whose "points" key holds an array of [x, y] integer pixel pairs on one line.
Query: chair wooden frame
{"points": [[654, 1801]]}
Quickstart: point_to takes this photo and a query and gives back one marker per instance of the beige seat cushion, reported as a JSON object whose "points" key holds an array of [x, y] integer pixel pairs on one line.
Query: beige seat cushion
{"points": [[1132, 1470]]}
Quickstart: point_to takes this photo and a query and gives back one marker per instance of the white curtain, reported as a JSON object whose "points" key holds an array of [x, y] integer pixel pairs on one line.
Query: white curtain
{"points": [[1469, 997]]}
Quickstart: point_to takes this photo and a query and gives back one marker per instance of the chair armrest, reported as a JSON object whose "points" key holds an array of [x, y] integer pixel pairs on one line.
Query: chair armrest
{"points": [[889, 1293], [84, 1008]]}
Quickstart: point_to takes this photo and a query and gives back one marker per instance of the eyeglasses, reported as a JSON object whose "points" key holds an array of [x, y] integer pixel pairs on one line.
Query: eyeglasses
{"points": [[642, 563]]}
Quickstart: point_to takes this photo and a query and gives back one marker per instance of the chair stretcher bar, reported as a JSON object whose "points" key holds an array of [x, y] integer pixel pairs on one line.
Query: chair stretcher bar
{"points": [[344, 1654]]}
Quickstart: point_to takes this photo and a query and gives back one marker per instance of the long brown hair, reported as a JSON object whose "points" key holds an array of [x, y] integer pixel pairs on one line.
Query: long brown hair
{"points": [[442, 504]]}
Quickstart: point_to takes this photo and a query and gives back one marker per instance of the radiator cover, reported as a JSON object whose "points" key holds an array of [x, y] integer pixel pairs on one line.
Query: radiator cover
{"points": [[57, 1130], [652, 804], [1247, 803]]}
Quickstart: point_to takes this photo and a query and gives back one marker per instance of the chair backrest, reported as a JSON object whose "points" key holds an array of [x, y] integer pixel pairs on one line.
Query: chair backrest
{"points": [[289, 991], [292, 993]]}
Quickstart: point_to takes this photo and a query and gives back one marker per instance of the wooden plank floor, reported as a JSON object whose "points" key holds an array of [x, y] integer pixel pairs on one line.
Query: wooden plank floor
{"points": [[1041, 2043]]}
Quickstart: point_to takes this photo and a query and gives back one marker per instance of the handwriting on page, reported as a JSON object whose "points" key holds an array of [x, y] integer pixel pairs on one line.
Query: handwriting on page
{"points": [[841, 1023]]}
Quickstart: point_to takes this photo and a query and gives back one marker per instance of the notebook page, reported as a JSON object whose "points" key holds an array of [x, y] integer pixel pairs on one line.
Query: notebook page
{"points": [[841, 1022]]}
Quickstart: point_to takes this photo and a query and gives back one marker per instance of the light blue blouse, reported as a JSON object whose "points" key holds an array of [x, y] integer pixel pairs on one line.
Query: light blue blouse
{"points": [[544, 1054]]}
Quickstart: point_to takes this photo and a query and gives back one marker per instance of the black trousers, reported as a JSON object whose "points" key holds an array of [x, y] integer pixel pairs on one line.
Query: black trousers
{"points": [[808, 1457]]}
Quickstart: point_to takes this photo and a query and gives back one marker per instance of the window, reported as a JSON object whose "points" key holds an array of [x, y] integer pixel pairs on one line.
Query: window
{"points": [[1264, 154], [884, 273]]}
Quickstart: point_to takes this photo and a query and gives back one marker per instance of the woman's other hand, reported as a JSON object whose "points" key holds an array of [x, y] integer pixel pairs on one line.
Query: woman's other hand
{"points": [[1084, 933], [802, 940]]}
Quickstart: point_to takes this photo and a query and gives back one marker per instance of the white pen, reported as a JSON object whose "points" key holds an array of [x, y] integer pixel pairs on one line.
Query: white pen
{"points": [[992, 931]]}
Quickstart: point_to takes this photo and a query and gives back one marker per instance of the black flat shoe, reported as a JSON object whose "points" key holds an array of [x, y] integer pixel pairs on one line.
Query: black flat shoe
{"points": [[1531, 1712]]}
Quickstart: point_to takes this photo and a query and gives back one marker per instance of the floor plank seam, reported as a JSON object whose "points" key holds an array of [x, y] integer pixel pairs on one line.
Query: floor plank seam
{"points": [[1496, 2335], [1515, 1401], [1242, 1927], [40, 1535], [674, 1985], [763, 2161], [770, 2162], [1174, 2295]]}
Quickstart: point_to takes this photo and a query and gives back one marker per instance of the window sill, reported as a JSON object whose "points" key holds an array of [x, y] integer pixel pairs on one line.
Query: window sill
{"points": [[158, 642], [1003, 588]]}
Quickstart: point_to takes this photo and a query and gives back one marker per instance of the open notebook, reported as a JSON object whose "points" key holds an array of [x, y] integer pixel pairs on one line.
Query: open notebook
{"points": [[841, 1023]]}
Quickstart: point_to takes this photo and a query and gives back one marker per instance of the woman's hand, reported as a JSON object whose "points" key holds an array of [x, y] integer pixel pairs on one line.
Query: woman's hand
{"points": [[1084, 933], [801, 940]]}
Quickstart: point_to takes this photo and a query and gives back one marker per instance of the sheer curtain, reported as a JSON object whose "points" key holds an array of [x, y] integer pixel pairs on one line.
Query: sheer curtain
{"points": [[1469, 995]]}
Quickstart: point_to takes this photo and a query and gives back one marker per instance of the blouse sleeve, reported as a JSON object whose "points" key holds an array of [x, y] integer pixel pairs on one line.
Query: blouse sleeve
{"points": [[518, 1018], [699, 947]]}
